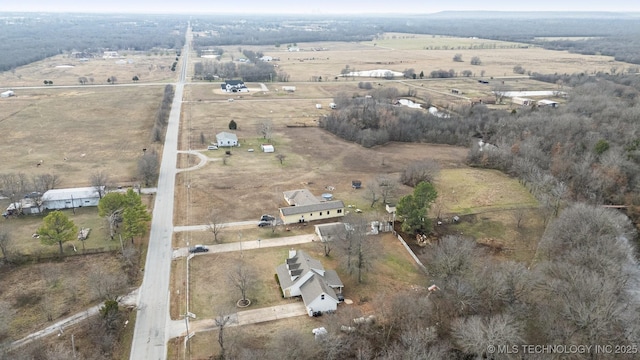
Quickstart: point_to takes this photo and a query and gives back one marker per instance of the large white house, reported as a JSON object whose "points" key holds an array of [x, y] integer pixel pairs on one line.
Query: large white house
{"points": [[70, 198], [226, 139], [301, 275]]}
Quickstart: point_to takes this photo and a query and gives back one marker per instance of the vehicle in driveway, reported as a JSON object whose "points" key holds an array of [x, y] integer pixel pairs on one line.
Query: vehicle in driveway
{"points": [[267, 218], [198, 249], [264, 223], [212, 147]]}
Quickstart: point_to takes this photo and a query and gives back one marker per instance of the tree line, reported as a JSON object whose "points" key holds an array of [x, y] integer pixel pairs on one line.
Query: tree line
{"points": [[25, 38]]}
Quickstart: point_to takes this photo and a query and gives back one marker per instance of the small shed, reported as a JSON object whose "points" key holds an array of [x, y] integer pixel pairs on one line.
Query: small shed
{"points": [[547, 103], [289, 88], [356, 184], [227, 139], [268, 148], [7, 94]]}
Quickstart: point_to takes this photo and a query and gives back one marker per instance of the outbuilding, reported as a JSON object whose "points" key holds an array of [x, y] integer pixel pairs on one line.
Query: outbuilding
{"points": [[70, 198], [8, 93], [268, 148], [226, 139]]}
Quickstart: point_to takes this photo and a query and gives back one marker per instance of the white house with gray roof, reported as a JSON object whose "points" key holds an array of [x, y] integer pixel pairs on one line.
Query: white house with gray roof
{"points": [[227, 139], [304, 276]]}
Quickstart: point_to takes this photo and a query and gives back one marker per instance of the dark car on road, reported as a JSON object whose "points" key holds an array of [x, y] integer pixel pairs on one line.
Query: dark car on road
{"points": [[198, 249]]}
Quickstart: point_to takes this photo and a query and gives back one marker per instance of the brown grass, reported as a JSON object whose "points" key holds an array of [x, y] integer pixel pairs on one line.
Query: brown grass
{"points": [[61, 288], [148, 68], [92, 129]]}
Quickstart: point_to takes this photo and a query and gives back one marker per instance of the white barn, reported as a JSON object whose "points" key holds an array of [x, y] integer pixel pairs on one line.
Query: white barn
{"points": [[70, 198], [227, 139]]}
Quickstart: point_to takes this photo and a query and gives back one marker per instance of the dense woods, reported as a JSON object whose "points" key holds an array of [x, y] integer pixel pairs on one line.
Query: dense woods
{"points": [[586, 150], [25, 38]]}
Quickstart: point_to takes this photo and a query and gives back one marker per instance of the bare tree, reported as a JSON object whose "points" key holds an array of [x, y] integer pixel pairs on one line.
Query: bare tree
{"points": [[371, 193], [148, 167], [6, 245], [105, 285], [387, 186], [281, 158], [265, 128], [100, 181], [357, 249], [519, 216], [14, 186], [216, 224], [243, 278], [222, 320], [418, 171], [474, 334]]}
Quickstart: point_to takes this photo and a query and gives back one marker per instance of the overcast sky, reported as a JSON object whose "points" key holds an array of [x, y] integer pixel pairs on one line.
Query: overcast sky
{"points": [[311, 7]]}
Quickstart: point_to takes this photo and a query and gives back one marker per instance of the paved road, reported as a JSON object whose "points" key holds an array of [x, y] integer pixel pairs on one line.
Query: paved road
{"points": [[250, 245], [248, 223], [150, 335]]}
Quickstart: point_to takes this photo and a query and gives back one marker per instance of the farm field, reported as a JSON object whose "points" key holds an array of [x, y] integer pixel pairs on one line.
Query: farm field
{"points": [[66, 70], [76, 132], [426, 53]]}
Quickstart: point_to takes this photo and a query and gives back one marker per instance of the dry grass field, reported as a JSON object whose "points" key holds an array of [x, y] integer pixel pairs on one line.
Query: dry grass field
{"points": [[426, 53], [76, 132], [66, 70]]}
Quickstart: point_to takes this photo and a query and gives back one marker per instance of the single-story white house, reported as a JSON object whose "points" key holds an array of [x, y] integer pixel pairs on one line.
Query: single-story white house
{"points": [[304, 276], [232, 86], [8, 93], [70, 198], [311, 212], [227, 139], [268, 148]]}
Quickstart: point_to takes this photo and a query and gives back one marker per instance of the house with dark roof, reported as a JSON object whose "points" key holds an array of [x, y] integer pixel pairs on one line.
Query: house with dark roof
{"points": [[301, 275], [233, 86]]}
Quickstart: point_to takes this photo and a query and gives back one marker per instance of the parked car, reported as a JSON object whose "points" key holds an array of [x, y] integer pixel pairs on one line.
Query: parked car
{"points": [[266, 217], [212, 147], [263, 223], [198, 249]]}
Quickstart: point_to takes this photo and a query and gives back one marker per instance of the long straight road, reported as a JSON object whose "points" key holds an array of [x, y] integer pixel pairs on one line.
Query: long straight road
{"points": [[150, 335]]}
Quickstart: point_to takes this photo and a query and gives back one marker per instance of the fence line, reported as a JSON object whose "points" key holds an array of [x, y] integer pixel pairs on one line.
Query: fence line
{"points": [[406, 246]]}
